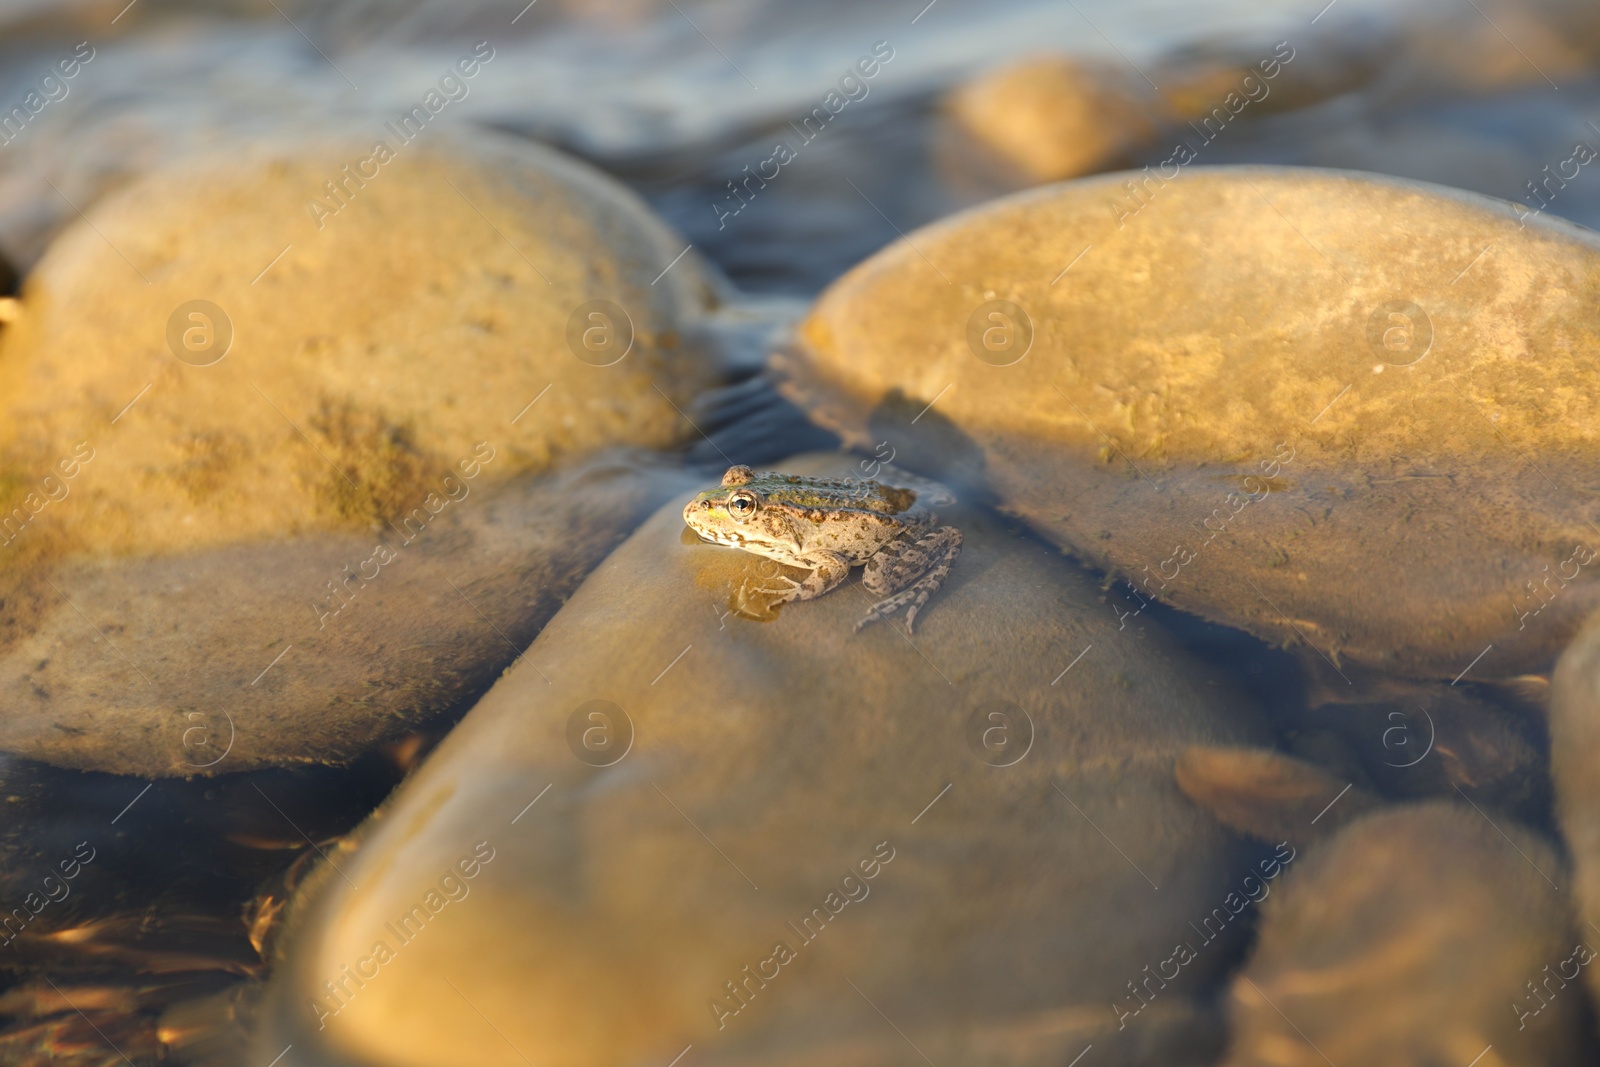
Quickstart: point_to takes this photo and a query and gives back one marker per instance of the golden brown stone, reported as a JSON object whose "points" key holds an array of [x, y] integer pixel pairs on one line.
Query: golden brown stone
{"points": [[231, 396], [1416, 935], [1059, 117], [1029, 810], [1334, 410]]}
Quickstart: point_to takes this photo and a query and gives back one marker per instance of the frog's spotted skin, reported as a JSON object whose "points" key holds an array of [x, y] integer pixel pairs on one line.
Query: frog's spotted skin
{"points": [[828, 525]]}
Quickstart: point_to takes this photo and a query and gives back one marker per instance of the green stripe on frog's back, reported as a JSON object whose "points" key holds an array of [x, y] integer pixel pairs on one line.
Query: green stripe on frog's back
{"points": [[827, 495]]}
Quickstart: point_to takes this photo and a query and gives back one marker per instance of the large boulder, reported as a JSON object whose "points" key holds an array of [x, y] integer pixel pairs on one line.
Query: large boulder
{"points": [[1333, 410], [244, 392], [783, 842]]}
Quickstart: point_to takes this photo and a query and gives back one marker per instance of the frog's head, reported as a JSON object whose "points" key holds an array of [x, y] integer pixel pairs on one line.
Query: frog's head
{"points": [[731, 514]]}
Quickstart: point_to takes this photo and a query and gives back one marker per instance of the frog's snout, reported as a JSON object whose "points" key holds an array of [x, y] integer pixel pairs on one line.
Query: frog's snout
{"points": [[699, 505]]}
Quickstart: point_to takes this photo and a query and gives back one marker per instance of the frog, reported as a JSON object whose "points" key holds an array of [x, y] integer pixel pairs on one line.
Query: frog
{"points": [[829, 526]]}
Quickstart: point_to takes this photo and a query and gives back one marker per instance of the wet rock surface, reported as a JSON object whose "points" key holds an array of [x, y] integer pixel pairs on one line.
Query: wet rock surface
{"points": [[245, 656], [1486, 743], [1575, 750], [664, 787], [1305, 404], [330, 424], [1269, 795], [368, 358], [1420, 934]]}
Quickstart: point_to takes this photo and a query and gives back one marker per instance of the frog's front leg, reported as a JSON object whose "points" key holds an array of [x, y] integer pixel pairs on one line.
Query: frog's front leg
{"points": [[907, 571], [828, 569]]}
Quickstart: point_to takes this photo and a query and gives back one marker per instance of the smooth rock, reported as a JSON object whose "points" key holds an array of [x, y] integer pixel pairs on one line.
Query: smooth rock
{"points": [[229, 403], [1333, 410], [1269, 795], [1058, 117], [332, 388], [1412, 937], [1416, 740], [245, 656], [1574, 755], [630, 823], [1053, 117]]}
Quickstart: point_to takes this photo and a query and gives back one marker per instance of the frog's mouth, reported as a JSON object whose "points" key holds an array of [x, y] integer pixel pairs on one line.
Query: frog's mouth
{"points": [[692, 536]]}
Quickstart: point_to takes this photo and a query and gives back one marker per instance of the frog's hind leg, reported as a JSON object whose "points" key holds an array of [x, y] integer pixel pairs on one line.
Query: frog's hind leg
{"points": [[907, 572]]}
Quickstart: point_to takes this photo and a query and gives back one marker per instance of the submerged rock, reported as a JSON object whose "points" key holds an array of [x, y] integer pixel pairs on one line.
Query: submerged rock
{"points": [[1335, 411], [1420, 934], [243, 389], [1574, 753], [1416, 740], [312, 650], [647, 844], [1270, 795]]}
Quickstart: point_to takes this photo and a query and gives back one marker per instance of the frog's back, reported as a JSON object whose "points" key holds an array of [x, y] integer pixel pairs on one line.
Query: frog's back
{"points": [[832, 494]]}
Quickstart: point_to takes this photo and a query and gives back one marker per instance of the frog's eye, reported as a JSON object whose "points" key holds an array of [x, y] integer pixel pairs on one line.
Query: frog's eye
{"points": [[741, 506]]}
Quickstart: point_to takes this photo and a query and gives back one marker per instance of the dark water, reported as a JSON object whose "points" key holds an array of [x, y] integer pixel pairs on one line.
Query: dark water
{"points": [[177, 901]]}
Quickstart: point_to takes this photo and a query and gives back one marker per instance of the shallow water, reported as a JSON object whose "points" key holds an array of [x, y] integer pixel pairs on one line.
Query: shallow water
{"points": [[676, 100]]}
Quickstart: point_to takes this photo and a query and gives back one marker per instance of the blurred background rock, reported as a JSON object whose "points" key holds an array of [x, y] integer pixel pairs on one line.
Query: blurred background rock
{"points": [[678, 98]]}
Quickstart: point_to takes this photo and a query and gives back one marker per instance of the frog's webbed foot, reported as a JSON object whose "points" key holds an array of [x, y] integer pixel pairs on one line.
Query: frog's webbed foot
{"points": [[907, 572], [778, 588]]}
